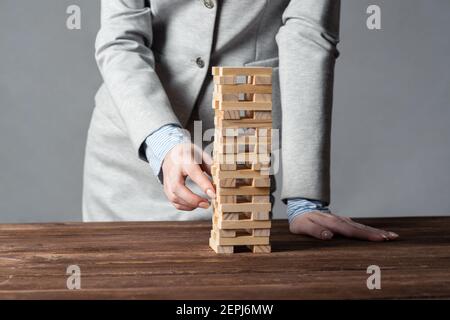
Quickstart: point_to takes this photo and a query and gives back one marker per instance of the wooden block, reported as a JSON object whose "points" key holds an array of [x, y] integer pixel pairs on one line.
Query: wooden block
{"points": [[244, 157], [226, 199], [264, 132], [243, 224], [261, 199], [220, 249], [246, 123], [262, 115], [216, 71], [245, 132], [230, 141], [262, 80], [229, 216], [227, 167], [260, 216], [244, 88], [243, 105], [225, 97], [252, 139], [224, 80], [264, 140], [228, 97], [264, 97], [241, 71], [231, 114], [265, 171], [244, 207], [255, 216], [240, 174], [261, 182], [261, 232], [236, 114], [264, 148], [226, 233], [225, 158], [227, 132], [261, 249], [244, 191], [239, 140], [227, 183], [255, 166], [228, 148], [225, 139], [242, 240]]}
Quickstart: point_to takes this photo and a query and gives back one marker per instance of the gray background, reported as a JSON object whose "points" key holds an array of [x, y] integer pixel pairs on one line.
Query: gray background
{"points": [[391, 138]]}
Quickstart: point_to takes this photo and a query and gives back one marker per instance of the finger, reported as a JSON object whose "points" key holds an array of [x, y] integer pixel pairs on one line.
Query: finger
{"points": [[388, 234], [175, 200], [179, 194], [197, 175], [343, 227], [182, 207], [182, 193], [303, 225]]}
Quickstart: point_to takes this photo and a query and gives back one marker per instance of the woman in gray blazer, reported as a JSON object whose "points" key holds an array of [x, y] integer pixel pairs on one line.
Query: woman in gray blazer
{"points": [[155, 58]]}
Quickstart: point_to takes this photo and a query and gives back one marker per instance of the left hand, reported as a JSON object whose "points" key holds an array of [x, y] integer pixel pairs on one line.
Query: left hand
{"points": [[324, 226]]}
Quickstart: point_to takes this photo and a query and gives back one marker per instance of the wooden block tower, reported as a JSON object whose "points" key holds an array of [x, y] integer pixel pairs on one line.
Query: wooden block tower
{"points": [[242, 101]]}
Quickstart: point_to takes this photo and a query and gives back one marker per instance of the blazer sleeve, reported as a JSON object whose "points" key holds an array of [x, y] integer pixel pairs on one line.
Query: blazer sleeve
{"points": [[127, 66], [307, 49]]}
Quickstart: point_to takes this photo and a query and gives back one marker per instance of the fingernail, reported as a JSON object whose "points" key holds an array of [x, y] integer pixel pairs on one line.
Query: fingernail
{"points": [[210, 193], [326, 235], [204, 205], [393, 235]]}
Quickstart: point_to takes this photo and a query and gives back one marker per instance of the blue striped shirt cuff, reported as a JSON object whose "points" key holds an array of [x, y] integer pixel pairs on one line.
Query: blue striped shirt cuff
{"points": [[299, 206], [160, 142]]}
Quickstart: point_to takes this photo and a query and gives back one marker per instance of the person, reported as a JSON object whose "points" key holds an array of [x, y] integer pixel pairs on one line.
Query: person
{"points": [[155, 58]]}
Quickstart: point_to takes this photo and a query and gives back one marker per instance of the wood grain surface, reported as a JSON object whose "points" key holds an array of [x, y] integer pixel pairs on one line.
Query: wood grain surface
{"points": [[172, 260]]}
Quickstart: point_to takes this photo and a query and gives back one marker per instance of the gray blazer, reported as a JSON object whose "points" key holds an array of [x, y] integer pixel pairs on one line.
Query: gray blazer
{"points": [[155, 58]]}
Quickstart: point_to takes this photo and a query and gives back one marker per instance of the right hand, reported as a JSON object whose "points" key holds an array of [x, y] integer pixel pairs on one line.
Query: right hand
{"points": [[323, 226], [179, 164]]}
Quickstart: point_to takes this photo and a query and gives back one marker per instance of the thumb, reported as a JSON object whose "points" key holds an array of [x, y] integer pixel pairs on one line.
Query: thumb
{"points": [[198, 176]]}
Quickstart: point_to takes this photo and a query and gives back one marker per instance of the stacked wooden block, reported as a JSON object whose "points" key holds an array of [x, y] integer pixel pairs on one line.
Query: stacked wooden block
{"points": [[242, 101]]}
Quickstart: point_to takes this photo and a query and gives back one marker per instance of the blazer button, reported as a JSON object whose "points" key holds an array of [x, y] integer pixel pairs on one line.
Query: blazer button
{"points": [[208, 3], [200, 62]]}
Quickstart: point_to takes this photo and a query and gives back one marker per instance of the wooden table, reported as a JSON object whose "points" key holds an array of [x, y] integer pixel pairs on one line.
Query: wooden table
{"points": [[172, 260]]}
